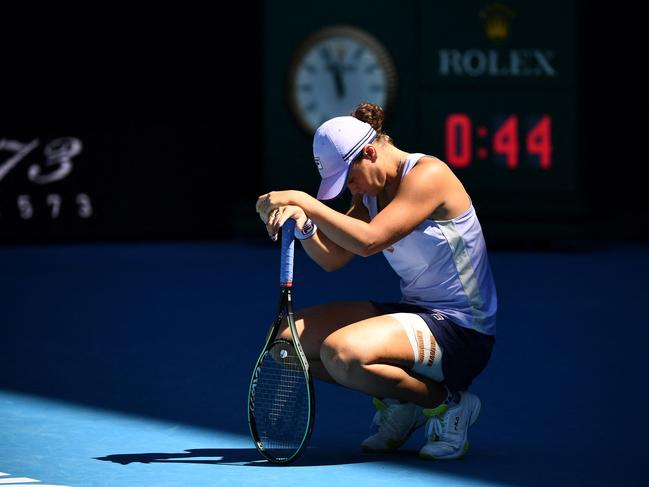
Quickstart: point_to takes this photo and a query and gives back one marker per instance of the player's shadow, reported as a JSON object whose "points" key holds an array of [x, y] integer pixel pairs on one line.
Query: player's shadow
{"points": [[248, 457]]}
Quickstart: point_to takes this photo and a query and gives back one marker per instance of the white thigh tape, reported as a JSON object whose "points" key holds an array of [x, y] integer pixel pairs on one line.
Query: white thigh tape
{"points": [[426, 350]]}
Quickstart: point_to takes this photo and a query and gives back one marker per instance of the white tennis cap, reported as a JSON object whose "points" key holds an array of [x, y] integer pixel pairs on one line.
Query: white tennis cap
{"points": [[336, 144]]}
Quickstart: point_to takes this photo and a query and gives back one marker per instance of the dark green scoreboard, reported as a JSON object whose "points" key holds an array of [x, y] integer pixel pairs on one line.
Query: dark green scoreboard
{"points": [[499, 103], [488, 87]]}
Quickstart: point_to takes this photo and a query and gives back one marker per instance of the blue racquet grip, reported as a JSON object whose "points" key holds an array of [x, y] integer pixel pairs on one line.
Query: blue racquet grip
{"points": [[288, 247]]}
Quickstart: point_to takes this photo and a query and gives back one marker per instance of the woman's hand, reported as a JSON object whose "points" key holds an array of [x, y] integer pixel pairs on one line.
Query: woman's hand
{"points": [[279, 216], [275, 199]]}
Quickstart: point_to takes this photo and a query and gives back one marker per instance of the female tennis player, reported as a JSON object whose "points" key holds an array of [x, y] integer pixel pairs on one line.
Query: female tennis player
{"points": [[418, 357]]}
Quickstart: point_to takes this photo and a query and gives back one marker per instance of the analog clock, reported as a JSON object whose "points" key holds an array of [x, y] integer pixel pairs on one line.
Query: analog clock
{"points": [[334, 70]]}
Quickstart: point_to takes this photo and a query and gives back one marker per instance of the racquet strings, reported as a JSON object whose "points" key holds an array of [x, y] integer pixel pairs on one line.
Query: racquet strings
{"points": [[281, 401]]}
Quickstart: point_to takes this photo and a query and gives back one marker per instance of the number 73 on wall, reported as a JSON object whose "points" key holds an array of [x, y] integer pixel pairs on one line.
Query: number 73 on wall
{"points": [[58, 154]]}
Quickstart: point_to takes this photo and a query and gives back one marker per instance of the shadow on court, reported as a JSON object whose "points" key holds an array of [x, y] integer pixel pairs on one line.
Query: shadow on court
{"points": [[248, 457], [171, 331], [523, 466]]}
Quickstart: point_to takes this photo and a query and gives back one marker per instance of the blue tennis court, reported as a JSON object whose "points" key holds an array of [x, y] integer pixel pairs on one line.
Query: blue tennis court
{"points": [[128, 364]]}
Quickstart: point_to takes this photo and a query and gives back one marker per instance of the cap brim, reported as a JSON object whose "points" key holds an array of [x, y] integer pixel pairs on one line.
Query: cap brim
{"points": [[333, 186]]}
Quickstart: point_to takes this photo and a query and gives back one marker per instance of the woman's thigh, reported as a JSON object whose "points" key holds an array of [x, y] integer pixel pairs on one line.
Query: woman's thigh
{"points": [[315, 324], [376, 340], [375, 356]]}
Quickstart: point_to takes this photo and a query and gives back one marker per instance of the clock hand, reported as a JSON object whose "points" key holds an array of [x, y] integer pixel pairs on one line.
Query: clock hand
{"points": [[335, 70], [340, 85]]}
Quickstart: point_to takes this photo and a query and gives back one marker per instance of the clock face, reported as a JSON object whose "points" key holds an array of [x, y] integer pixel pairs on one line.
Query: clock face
{"points": [[336, 69]]}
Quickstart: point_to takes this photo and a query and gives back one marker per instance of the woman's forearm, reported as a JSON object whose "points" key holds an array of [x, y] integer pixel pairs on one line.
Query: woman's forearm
{"points": [[325, 253], [350, 233]]}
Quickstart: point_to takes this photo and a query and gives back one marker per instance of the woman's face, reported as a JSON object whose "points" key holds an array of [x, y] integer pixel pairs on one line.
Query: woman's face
{"points": [[364, 178]]}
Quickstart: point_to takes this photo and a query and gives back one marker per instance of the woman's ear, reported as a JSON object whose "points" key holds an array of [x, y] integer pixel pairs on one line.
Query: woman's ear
{"points": [[369, 152]]}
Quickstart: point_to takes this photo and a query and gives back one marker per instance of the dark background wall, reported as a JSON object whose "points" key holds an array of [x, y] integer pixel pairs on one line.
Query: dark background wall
{"points": [[168, 102], [611, 121], [165, 100]]}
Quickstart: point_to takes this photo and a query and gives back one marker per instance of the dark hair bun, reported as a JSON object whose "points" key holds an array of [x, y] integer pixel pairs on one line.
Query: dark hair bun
{"points": [[370, 113]]}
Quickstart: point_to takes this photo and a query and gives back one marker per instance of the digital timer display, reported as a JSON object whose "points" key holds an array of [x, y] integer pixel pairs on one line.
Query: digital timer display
{"points": [[510, 139], [520, 143]]}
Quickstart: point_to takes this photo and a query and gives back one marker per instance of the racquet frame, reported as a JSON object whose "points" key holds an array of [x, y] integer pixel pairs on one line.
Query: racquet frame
{"points": [[284, 310]]}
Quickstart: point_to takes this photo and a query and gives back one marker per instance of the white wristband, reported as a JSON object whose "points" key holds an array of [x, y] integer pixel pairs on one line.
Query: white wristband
{"points": [[307, 231]]}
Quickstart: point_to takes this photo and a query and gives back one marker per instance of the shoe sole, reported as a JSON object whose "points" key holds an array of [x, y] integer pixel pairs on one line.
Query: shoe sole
{"points": [[465, 449], [389, 449], [393, 448], [395, 445]]}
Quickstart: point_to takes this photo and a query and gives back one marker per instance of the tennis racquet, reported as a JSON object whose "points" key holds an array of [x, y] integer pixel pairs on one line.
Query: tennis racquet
{"points": [[281, 403]]}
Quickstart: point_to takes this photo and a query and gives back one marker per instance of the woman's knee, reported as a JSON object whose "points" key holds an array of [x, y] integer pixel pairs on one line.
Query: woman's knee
{"points": [[316, 324], [341, 356]]}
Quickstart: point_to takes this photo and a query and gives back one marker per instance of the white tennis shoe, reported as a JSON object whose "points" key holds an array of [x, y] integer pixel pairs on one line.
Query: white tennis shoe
{"points": [[446, 429], [395, 423]]}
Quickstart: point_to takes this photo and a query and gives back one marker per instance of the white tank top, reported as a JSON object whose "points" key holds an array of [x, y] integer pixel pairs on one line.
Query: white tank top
{"points": [[443, 267]]}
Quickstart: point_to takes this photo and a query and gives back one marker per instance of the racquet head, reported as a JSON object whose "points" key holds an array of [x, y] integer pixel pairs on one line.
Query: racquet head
{"points": [[279, 404]]}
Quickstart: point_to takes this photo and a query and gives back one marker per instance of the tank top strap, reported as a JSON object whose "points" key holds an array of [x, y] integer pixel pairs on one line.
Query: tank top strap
{"points": [[370, 204], [411, 160]]}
